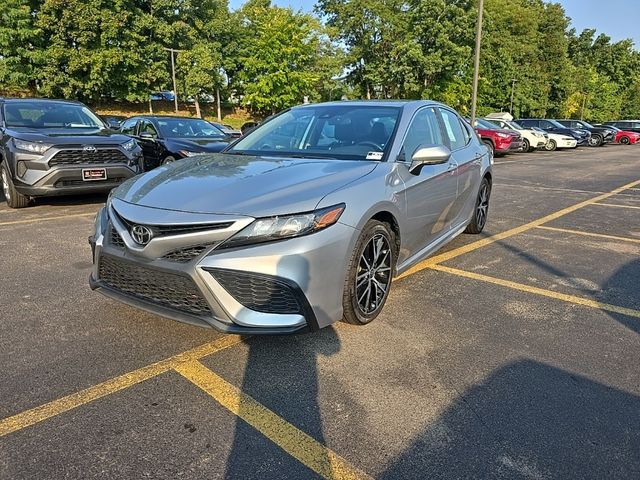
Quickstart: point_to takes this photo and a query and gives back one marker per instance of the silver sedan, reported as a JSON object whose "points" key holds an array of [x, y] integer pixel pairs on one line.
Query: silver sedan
{"points": [[300, 223]]}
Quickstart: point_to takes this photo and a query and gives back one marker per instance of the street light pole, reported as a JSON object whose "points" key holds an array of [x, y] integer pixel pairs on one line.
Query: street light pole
{"points": [[476, 62], [173, 76], [513, 88]]}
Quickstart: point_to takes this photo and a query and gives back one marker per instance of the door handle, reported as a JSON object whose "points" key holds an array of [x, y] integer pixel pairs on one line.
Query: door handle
{"points": [[452, 168]]}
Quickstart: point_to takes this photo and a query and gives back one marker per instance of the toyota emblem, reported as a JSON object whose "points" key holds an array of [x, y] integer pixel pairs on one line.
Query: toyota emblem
{"points": [[89, 149], [141, 234]]}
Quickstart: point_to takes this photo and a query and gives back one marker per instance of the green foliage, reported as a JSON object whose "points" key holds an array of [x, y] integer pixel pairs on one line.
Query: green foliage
{"points": [[269, 58]]}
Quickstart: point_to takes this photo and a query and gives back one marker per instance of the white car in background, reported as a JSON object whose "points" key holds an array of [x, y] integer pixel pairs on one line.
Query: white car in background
{"points": [[531, 139], [557, 140]]}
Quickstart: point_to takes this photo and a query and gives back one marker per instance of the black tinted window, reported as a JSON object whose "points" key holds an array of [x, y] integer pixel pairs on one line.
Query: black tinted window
{"points": [[129, 126]]}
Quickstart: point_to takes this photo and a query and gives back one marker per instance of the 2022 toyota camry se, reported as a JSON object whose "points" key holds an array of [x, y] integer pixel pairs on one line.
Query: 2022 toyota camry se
{"points": [[300, 223]]}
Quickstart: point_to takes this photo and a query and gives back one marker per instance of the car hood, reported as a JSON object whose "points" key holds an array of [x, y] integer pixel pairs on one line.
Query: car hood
{"points": [[241, 184], [69, 136], [199, 144]]}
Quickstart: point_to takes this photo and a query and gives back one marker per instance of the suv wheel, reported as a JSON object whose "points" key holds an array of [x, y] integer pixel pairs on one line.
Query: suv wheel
{"points": [[595, 141], [369, 274], [13, 198], [526, 146], [490, 146], [479, 219]]}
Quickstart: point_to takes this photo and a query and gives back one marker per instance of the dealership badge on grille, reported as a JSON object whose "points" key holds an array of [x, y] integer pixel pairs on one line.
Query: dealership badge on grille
{"points": [[89, 149], [141, 234]]}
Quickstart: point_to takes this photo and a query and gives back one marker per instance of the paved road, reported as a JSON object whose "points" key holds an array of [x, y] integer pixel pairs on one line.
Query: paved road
{"points": [[513, 354]]}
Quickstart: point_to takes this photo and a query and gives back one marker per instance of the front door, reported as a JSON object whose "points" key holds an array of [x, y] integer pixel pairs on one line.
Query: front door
{"points": [[430, 192]]}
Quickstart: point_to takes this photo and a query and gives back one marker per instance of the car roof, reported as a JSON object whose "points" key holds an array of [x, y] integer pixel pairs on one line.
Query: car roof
{"points": [[373, 103], [32, 99]]}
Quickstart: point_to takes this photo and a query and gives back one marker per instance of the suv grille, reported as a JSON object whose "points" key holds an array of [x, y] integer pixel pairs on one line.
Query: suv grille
{"points": [[166, 289], [257, 292], [78, 156]]}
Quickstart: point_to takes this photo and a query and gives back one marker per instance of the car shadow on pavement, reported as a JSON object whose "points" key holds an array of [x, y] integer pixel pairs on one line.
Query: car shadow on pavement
{"points": [[281, 373], [529, 420]]}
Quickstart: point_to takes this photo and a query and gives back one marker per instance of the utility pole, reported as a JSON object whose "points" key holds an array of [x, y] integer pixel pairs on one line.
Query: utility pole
{"points": [[513, 88], [173, 75], [476, 63]]}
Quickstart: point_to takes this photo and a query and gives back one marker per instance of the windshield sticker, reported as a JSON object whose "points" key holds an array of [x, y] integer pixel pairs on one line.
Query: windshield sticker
{"points": [[374, 156]]}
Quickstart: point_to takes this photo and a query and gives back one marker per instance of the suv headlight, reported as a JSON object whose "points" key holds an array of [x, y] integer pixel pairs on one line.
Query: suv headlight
{"points": [[187, 153], [289, 226], [32, 147], [130, 145], [503, 135]]}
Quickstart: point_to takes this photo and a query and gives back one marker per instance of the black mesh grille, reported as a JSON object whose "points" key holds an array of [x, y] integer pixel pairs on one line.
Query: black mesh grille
{"points": [[78, 156], [259, 293], [185, 254], [116, 239], [77, 183], [166, 289]]}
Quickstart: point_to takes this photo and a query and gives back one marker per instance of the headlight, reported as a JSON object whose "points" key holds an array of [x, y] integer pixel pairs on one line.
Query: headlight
{"points": [[32, 147], [503, 135], [130, 145], [289, 226], [187, 153]]}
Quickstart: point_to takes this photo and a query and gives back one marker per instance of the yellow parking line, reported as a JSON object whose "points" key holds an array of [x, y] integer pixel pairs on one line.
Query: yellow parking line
{"points": [[539, 291], [443, 257], [69, 402], [589, 234], [292, 440], [617, 206], [46, 219]]}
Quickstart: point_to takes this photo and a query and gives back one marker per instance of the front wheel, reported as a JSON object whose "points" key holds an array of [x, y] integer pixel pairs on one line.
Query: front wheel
{"points": [[481, 210], [369, 274], [595, 141], [526, 146], [492, 150], [624, 140], [551, 146], [13, 198], [168, 159]]}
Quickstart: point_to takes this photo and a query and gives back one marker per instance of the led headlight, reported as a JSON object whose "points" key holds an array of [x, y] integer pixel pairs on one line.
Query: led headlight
{"points": [[289, 226], [130, 145], [503, 135], [187, 153], [31, 147]]}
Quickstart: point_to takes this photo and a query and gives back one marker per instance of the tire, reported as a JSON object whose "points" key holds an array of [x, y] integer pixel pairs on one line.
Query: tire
{"points": [[551, 146], [492, 149], [168, 159], [13, 198], [624, 140], [359, 308], [481, 210], [595, 141], [526, 146]]}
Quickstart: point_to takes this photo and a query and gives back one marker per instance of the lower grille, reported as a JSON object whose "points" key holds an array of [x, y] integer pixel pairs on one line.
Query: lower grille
{"points": [[77, 183], [79, 156], [257, 292], [165, 289]]}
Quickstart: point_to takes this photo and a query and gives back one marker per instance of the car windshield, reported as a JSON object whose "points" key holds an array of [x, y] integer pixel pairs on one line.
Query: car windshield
{"points": [[515, 125], [556, 124], [35, 114], [187, 128], [342, 132], [482, 123], [585, 124]]}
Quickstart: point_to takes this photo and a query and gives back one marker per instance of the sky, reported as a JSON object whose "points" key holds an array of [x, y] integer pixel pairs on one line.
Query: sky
{"points": [[619, 19]]}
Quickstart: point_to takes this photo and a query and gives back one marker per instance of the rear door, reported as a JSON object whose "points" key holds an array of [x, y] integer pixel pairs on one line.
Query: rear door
{"points": [[468, 157], [431, 192]]}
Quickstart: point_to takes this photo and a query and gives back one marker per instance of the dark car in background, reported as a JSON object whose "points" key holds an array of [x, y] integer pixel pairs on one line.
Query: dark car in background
{"points": [[227, 129], [627, 125], [552, 126], [165, 139], [114, 121], [54, 147], [599, 135]]}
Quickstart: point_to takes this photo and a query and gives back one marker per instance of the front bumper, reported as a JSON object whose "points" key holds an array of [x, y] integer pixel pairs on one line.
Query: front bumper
{"points": [[230, 285]]}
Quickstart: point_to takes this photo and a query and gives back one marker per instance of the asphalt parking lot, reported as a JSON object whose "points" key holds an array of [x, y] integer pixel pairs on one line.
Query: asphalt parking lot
{"points": [[514, 354]]}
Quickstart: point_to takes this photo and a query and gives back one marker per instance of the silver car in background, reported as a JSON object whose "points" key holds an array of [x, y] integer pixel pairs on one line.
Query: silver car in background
{"points": [[302, 222]]}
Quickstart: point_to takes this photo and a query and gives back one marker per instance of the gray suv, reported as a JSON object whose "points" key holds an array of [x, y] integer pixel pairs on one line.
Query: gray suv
{"points": [[53, 147], [300, 223]]}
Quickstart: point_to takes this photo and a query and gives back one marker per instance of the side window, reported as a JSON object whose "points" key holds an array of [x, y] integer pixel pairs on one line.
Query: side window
{"points": [[129, 126], [545, 125], [424, 130], [147, 127], [453, 129], [466, 131]]}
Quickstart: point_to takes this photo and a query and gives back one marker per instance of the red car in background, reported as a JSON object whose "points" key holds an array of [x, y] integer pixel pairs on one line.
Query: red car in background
{"points": [[625, 137], [500, 141]]}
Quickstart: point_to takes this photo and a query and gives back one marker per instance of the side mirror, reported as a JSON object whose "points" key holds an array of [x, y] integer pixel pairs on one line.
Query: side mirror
{"points": [[429, 155], [147, 136]]}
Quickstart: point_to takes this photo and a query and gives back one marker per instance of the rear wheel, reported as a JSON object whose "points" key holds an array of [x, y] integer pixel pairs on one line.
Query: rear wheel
{"points": [[624, 140], [13, 198], [551, 146], [526, 146], [481, 211], [369, 274]]}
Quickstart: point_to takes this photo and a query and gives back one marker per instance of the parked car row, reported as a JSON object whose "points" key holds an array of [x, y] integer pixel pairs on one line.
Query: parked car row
{"points": [[51, 147]]}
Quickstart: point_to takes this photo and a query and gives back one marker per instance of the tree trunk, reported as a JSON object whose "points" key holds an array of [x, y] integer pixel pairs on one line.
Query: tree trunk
{"points": [[368, 92], [197, 107], [150, 106], [218, 104]]}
